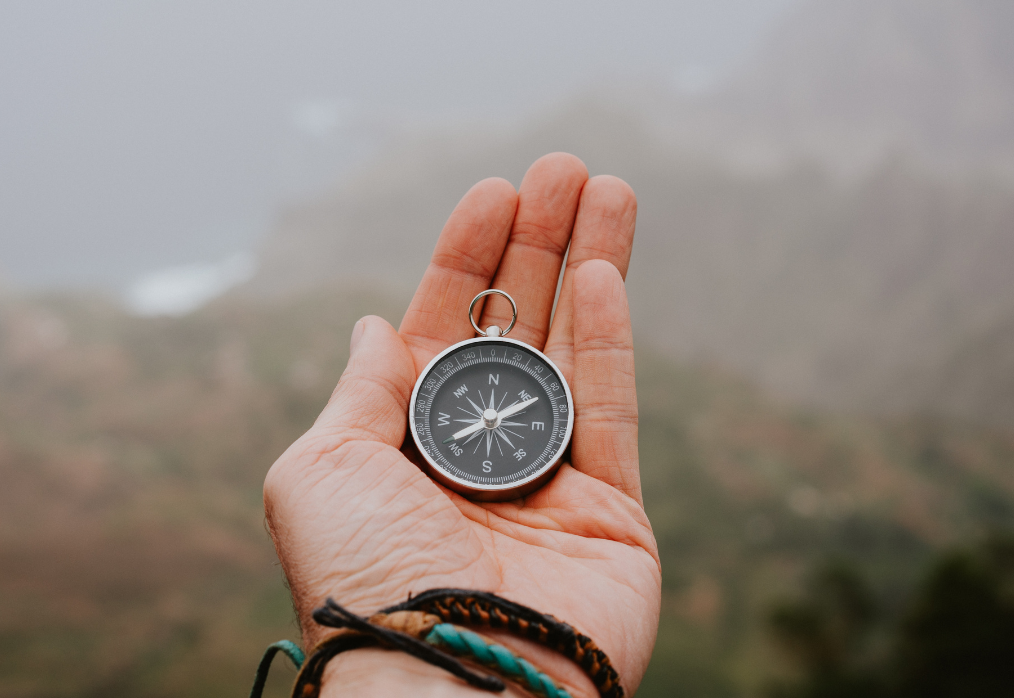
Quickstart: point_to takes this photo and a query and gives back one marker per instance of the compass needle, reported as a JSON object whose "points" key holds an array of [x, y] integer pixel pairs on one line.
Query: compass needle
{"points": [[466, 431], [517, 407]]}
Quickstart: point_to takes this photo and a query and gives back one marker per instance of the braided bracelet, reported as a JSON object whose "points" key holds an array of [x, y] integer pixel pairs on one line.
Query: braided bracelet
{"points": [[427, 626]]}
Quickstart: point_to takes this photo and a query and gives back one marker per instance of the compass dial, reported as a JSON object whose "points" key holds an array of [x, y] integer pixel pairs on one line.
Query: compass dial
{"points": [[492, 418]]}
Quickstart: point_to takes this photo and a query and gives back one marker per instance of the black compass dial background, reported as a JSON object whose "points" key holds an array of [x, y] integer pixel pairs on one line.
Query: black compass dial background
{"points": [[477, 376]]}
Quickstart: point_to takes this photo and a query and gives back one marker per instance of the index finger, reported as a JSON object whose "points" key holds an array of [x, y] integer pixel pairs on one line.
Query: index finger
{"points": [[464, 260]]}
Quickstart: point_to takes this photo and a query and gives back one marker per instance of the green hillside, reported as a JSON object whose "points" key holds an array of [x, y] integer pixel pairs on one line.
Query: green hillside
{"points": [[133, 556]]}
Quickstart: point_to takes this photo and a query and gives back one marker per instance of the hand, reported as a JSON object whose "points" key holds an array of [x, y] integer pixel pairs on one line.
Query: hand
{"points": [[352, 517]]}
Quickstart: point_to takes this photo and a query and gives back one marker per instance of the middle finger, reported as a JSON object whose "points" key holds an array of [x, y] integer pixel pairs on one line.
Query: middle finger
{"points": [[530, 267]]}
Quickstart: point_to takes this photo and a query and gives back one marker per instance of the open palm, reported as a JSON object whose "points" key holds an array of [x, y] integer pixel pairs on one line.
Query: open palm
{"points": [[353, 517]]}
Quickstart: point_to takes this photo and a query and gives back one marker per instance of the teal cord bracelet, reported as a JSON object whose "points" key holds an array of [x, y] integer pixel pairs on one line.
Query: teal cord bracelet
{"points": [[287, 647], [459, 641], [465, 643]]}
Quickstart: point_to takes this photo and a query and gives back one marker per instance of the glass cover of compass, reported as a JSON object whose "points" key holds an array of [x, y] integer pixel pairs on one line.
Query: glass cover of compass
{"points": [[492, 418]]}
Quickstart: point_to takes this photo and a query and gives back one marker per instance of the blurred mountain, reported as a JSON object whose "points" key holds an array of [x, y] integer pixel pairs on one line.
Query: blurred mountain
{"points": [[850, 268], [847, 81], [848, 292], [977, 382], [133, 558]]}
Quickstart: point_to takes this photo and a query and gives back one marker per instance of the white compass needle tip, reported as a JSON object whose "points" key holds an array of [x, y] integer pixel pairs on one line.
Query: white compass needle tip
{"points": [[514, 409], [465, 432]]}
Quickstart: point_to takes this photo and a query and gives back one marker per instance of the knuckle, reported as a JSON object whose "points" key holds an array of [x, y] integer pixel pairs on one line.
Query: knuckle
{"points": [[608, 413], [540, 238], [603, 342], [461, 263]]}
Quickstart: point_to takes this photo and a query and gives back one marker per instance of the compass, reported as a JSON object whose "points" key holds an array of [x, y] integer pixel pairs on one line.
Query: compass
{"points": [[491, 416]]}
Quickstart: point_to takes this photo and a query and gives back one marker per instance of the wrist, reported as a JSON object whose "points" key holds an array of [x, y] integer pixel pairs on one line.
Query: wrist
{"points": [[379, 672], [369, 672]]}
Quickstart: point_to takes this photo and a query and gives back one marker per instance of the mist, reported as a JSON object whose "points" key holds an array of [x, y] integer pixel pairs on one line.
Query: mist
{"points": [[134, 138]]}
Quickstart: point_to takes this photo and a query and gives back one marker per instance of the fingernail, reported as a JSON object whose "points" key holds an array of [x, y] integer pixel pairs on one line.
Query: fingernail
{"points": [[357, 334]]}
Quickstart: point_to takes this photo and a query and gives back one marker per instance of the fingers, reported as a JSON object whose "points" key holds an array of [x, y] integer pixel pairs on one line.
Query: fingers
{"points": [[530, 268], [465, 259], [603, 229], [605, 399], [371, 399]]}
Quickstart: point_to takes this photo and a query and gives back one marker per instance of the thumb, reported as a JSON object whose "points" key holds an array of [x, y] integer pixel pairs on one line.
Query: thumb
{"points": [[371, 400]]}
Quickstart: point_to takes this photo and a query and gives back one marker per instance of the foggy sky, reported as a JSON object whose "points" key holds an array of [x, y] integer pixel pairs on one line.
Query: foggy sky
{"points": [[137, 136]]}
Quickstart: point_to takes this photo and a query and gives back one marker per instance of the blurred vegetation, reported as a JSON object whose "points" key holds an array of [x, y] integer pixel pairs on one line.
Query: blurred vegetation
{"points": [[134, 561], [955, 638]]}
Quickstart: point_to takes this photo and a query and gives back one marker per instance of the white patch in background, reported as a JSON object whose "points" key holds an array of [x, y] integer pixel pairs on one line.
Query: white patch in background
{"points": [[180, 290]]}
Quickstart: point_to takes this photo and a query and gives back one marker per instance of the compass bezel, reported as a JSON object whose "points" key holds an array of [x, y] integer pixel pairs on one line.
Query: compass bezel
{"points": [[507, 491]]}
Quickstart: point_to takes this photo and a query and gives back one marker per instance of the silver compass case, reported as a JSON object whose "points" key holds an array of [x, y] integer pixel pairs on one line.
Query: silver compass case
{"points": [[492, 417]]}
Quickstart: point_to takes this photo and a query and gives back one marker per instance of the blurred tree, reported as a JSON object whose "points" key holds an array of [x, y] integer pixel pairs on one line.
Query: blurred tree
{"points": [[825, 633], [958, 637], [955, 640]]}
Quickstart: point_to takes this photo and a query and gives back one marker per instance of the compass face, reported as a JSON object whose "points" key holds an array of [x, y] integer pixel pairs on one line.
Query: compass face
{"points": [[492, 417]]}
